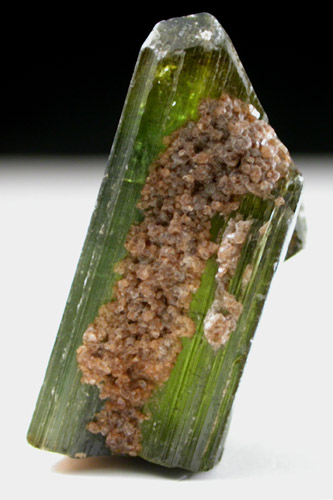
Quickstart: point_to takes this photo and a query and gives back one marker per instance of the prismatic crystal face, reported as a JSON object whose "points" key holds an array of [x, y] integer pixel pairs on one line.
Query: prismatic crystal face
{"points": [[133, 344]]}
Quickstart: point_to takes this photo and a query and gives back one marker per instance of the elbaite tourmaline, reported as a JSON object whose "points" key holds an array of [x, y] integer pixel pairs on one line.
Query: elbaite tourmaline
{"points": [[196, 209]]}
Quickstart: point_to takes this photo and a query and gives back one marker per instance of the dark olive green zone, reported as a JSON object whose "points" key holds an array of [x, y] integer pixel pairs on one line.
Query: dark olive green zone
{"points": [[189, 412]]}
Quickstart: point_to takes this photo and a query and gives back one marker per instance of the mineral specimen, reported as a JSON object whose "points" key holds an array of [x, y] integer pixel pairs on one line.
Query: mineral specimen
{"points": [[196, 209]]}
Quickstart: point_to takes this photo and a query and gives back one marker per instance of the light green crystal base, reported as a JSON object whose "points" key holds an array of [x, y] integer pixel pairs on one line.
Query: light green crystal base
{"points": [[189, 413]]}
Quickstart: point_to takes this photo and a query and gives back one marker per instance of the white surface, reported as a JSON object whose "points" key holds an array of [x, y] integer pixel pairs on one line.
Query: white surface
{"points": [[280, 443]]}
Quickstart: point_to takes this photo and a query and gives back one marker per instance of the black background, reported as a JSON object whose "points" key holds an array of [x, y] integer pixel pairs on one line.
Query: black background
{"points": [[65, 74]]}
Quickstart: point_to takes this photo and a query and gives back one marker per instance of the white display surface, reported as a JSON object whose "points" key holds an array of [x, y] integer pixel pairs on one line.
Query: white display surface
{"points": [[280, 443]]}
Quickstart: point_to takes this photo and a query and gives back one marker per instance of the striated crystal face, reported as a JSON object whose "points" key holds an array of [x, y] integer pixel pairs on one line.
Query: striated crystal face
{"points": [[133, 344], [195, 211]]}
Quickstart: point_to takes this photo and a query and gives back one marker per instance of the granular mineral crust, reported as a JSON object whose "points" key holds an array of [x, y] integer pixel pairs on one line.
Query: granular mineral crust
{"points": [[132, 345]]}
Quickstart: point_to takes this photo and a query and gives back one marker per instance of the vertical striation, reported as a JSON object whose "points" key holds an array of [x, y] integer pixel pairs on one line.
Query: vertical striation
{"points": [[133, 344]]}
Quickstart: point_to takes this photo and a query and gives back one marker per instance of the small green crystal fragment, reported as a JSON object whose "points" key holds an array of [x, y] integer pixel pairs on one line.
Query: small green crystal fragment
{"points": [[195, 212], [298, 239]]}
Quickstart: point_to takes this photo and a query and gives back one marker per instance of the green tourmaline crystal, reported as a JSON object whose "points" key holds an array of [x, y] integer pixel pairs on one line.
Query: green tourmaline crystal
{"points": [[183, 61]]}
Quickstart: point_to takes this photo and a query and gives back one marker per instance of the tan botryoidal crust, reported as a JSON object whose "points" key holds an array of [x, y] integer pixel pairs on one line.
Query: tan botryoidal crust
{"points": [[132, 345]]}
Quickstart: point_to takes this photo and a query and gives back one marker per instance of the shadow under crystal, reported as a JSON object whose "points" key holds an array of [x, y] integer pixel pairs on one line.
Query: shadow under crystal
{"points": [[118, 465]]}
